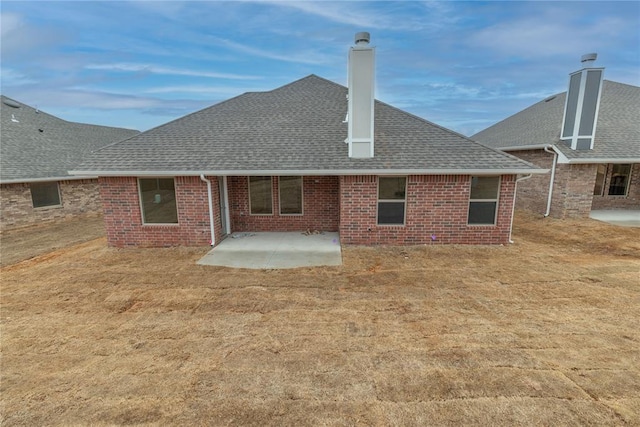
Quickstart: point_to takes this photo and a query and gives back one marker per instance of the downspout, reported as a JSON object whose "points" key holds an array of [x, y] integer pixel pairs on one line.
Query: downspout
{"points": [[553, 175], [213, 232], [513, 207]]}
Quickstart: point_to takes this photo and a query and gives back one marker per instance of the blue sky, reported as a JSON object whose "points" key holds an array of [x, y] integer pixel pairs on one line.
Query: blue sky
{"points": [[463, 65]]}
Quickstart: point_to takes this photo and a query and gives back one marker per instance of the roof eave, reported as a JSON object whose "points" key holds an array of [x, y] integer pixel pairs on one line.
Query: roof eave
{"points": [[582, 161], [73, 177], [316, 172]]}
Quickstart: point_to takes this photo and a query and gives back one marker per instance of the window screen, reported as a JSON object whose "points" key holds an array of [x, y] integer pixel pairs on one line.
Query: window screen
{"points": [[391, 200], [158, 199], [290, 189], [483, 201], [260, 195], [45, 194]]}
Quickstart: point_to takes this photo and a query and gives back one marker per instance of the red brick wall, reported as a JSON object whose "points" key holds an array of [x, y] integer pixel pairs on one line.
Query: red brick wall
{"points": [[77, 198], [321, 206], [123, 217], [436, 205], [630, 201]]}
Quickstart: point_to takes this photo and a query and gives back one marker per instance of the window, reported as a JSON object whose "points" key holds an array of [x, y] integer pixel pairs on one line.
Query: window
{"points": [[619, 180], [598, 189], [290, 188], [158, 200], [260, 197], [391, 200], [483, 201], [45, 194]]}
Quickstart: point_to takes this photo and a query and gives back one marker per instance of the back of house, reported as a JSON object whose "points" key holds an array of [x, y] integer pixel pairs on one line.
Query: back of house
{"points": [[310, 155]]}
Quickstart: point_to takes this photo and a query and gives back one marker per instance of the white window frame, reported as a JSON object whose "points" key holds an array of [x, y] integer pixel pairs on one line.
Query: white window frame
{"points": [[604, 180], [301, 196], [496, 200], [379, 200], [249, 194], [57, 205], [142, 212]]}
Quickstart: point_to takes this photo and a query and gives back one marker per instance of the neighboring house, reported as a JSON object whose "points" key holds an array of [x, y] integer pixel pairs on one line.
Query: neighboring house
{"points": [[36, 151], [306, 157], [591, 143]]}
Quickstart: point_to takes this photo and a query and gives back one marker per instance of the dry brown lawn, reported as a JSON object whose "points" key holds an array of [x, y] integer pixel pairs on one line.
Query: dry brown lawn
{"points": [[542, 332]]}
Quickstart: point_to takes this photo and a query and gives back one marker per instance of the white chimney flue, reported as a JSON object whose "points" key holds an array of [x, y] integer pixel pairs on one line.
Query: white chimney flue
{"points": [[361, 83]]}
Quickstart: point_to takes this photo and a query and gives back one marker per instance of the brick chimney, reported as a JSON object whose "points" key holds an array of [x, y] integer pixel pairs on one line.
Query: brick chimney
{"points": [[361, 98], [582, 104]]}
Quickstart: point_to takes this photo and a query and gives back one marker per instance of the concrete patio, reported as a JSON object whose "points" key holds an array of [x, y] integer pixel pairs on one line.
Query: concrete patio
{"points": [[617, 217], [276, 250]]}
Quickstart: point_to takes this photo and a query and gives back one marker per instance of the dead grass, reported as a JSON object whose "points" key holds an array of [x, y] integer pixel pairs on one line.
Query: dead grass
{"points": [[542, 332]]}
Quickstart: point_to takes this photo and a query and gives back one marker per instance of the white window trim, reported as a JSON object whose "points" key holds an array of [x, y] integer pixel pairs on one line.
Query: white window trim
{"points": [[378, 200], [301, 198], [156, 224], [58, 205], [604, 188], [496, 200], [249, 194]]}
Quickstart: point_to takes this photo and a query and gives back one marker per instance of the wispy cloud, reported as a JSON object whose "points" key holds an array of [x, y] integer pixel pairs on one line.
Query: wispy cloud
{"points": [[307, 56], [155, 69]]}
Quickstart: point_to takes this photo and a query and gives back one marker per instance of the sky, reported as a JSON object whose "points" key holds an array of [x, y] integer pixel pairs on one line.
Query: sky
{"points": [[463, 65]]}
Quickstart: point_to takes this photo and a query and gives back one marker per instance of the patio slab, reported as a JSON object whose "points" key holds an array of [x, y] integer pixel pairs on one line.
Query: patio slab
{"points": [[276, 250], [617, 217]]}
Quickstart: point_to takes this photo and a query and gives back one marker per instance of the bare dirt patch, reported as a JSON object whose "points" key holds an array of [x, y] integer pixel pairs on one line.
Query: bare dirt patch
{"points": [[541, 332], [26, 243]]}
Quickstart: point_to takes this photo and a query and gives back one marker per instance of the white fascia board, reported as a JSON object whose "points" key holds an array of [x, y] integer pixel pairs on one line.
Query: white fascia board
{"points": [[315, 172], [52, 179], [602, 161]]}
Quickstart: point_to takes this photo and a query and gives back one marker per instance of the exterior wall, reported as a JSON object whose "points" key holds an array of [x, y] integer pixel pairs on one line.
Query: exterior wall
{"points": [[437, 206], [572, 188], [533, 193], [123, 216], [575, 188], [77, 198], [321, 206], [631, 201]]}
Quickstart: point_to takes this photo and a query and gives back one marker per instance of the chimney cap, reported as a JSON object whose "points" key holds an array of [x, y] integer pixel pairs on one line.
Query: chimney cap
{"points": [[362, 37], [589, 57]]}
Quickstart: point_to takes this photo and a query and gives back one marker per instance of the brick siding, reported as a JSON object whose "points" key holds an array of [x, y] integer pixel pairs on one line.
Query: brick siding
{"points": [[435, 206], [630, 201], [573, 188], [321, 206], [77, 198], [123, 217]]}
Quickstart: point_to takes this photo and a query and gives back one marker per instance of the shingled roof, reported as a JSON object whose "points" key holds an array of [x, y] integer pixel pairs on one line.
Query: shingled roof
{"points": [[298, 128], [37, 146], [617, 134]]}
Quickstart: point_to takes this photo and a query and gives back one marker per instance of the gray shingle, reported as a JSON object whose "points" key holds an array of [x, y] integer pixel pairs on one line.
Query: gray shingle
{"points": [[297, 127], [39, 145], [617, 133]]}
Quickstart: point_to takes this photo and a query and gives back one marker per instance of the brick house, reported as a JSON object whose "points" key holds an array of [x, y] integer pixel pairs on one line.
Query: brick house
{"points": [[36, 152], [310, 155], [589, 139]]}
